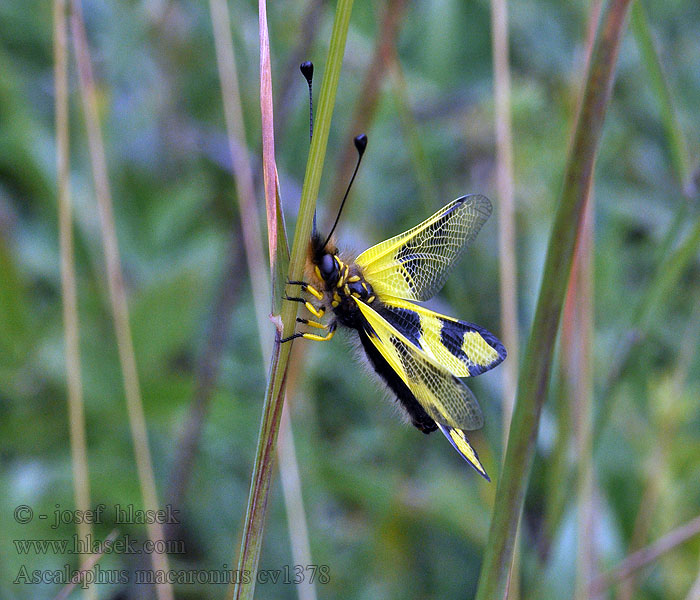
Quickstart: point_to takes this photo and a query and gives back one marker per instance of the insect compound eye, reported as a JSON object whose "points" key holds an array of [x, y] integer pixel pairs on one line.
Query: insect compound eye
{"points": [[328, 267]]}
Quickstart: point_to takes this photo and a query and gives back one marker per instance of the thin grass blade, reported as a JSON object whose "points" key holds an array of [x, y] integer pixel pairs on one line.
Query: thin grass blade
{"points": [[251, 541], [117, 294], [535, 373]]}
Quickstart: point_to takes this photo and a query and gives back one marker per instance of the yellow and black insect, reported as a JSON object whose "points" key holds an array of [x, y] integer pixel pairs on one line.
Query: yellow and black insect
{"points": [[420, 354]]}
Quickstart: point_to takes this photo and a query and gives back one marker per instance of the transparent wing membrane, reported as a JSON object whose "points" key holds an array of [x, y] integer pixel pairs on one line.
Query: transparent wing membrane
{"points": [[414, 265], [442, 395]]}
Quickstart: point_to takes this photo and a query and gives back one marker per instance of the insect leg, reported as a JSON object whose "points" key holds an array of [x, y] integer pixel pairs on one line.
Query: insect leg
{"points": [[306, 287], [316, 312], [315, 324], [319, 338], [313, 336]]}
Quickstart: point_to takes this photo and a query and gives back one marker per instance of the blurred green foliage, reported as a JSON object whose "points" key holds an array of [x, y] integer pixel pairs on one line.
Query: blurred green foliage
{"points": [[393, 513]]}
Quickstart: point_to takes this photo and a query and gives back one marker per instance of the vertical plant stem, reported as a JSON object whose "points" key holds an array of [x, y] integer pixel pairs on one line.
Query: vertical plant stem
{"points": [[581, 289], [274, 398], [294, 504], [76, 413], [317, 152], [639, 24], [579, 352], [257, 270], [534, 376], [117, 292], [268, 145], [242, 170], [506, 231], [506, 205]]}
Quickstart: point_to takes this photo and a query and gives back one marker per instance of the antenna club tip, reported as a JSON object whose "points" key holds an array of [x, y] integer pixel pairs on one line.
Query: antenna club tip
{"points": [[307, 69], [360, 142]]}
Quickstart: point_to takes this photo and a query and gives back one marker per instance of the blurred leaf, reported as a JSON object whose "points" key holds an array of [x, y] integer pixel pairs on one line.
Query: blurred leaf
{"points": [[14, 311], [165, 315]]}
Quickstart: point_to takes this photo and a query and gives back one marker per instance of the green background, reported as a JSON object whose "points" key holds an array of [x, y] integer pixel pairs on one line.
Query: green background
{"points": [[391, 512]]}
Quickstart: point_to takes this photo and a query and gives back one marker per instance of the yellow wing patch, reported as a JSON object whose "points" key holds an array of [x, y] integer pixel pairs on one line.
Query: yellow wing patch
{"points": [[465, 349], [414, 265], [460, 443], [442, 395]]}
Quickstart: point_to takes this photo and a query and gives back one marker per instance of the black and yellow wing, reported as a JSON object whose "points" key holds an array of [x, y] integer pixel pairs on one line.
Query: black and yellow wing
{"points": [[459, 442], [414, 265], [443, 396], [465, 349]]}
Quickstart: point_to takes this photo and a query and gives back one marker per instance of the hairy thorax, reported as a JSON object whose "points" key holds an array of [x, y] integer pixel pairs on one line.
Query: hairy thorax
{"points": [[340, 280]]}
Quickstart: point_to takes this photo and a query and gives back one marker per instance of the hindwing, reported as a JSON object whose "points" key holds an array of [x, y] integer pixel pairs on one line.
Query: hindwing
{"points": [[445, 398], [414, 265], [459, 442], [442, 395], [465, 349]]}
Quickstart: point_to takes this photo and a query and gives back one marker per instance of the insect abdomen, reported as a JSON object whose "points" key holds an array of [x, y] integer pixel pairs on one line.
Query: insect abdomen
{"points": [[419, 417]]}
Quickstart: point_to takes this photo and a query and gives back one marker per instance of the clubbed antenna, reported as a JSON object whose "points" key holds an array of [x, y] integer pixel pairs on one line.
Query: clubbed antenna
{"points": [[307, 70], [360, 142]]}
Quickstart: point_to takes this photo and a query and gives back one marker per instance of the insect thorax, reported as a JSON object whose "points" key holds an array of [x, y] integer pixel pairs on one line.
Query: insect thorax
{"points": [[341, 282]]}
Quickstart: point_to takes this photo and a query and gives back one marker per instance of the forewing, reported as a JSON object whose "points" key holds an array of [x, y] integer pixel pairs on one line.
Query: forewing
{"points": [[414, 265], [442, 395], [465, 349], [459, 442]]}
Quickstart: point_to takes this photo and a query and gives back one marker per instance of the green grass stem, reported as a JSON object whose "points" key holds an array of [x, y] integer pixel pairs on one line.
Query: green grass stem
{"points": [[251, 541], [639, 23], [534, 376], [117, 293], [69, 291]]}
